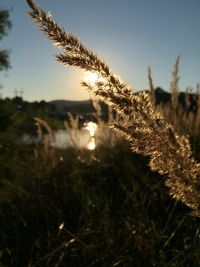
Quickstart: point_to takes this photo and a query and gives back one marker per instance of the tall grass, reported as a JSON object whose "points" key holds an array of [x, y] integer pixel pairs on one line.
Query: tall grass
{"points": [[146, 128], [106, 207], [77, 210]]}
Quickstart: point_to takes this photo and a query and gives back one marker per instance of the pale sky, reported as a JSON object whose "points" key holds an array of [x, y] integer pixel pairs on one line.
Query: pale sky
{"points": [[128, 34]]}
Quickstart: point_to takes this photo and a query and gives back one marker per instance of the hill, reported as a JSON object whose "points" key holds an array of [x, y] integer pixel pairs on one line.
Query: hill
{"points": [[185, 99], [84, 106]]}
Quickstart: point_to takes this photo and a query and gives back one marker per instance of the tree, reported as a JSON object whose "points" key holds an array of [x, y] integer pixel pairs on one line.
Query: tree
{"points": [[5, 25]]}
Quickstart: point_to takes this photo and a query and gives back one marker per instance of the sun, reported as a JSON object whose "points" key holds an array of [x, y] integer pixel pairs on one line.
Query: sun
{"points": [[93, 78]]}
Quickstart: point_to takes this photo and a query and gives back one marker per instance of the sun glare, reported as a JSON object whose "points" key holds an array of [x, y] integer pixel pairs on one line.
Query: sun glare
{"points": [[92, 78]]}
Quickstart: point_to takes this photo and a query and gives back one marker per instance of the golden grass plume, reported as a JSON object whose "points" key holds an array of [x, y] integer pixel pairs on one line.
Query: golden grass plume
{"points": [[146, 128]]}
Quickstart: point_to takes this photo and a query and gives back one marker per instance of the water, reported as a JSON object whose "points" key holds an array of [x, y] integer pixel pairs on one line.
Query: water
{"points": [[63, 139], [77, 138]]}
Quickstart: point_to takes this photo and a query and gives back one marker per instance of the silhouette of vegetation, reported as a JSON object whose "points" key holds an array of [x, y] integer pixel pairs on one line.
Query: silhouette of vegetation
{"points": [[76, 208], [80, 208], [5, 25]]}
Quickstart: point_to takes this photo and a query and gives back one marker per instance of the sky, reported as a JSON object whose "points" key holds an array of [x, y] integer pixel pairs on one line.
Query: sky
{"points": [[129, 35]]}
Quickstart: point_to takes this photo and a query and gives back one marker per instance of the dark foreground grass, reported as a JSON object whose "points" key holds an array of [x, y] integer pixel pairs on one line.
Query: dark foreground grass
{"points": [[79, 208]]}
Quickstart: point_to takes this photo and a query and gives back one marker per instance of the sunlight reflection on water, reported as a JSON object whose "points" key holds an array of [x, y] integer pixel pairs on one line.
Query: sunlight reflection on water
{"points": [[84, 137]]}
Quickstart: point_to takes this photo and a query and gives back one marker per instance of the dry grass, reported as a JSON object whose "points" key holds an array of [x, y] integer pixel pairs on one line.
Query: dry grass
{"points": [[146, 127]]}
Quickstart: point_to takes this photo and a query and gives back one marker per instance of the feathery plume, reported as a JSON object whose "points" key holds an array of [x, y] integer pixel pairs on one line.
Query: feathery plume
{"points": [[146, 128], [151, 86], [174, 87]]}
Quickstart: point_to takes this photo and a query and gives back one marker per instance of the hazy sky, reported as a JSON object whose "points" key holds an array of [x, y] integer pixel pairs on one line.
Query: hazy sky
{"points": [[128, 34]]}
